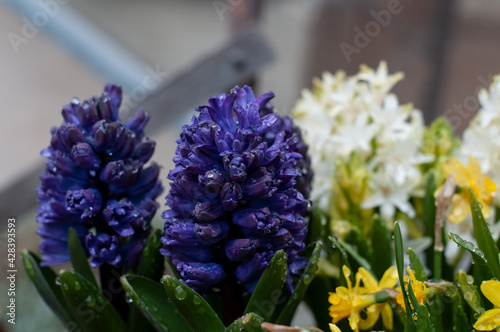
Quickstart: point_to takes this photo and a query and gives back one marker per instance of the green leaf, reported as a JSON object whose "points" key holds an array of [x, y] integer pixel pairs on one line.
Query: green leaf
{"points": [[382, 249], [423, 321], [416, 265], [248, 323], [477, 254], [268, 292], [483, 236], [481, 269], [343, 257], [317, 300], [398, 245], [317, 226], [358, 241], [79, 260], [150, 299], [192, 306], [44, 280], [91, 308], [469, 291], [286, 315], [460, 320], [151, 263], [412, 297], [353, 253]]}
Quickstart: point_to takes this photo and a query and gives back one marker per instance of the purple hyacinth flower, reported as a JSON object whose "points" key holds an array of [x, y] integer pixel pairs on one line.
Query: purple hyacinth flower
{"points": [[238, 192], [103, 248], [96, 179]]}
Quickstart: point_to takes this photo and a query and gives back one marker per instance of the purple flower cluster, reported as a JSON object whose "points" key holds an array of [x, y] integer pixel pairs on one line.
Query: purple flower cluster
{"points": [[96, 179], [238, 193]]}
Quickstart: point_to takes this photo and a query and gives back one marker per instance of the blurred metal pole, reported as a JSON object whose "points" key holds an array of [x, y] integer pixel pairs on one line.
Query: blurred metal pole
{"points": [[84, 40]]}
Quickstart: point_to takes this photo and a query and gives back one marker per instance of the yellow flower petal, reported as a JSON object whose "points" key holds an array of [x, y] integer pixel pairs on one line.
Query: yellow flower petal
{"points": [[372, 314], [489, 320], [390, 278], [459, 209], [453, 165], [340, 307], [490, 188], [334, 328], [474, 169], [491, 289], [485, 208], [387, 316], [369, 282], [354, 321]]}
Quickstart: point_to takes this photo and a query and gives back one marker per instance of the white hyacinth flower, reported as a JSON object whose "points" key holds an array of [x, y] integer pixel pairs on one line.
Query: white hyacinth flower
{"points": [[357, 114]]}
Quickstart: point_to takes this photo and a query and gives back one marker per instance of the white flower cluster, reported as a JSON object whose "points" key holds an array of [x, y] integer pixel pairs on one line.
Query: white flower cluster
{"points": [[345, 114], [482, 138]]}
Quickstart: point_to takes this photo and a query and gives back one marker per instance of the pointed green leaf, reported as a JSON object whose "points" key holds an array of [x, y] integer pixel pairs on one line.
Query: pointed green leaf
{"points": [[382, 249], [469, 291], [79, 260], [480, 267], [416, 265], [477, 254], [152, 263], [412, 297], [248, 323], [357, 240], [192, 306], [483, 236], [398, 246], [343, 258], [317, 300], [286, 315], [91, 308], [149, 297], [353, 253], [460, 320], [268, 292], [44, 280], [423, 321]]}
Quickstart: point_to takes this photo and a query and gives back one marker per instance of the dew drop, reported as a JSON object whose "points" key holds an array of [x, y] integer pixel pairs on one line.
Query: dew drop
{"points": [[90, 301], [197, 300], [180, 293]]}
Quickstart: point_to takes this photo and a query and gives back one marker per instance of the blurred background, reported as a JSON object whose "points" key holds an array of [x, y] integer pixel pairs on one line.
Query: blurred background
{"points": [[171, 56]]}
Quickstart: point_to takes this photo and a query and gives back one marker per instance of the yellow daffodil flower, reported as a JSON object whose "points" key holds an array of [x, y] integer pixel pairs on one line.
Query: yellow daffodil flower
{"points": [[419, 289], [348, 302], [483, 187], [370, 285], [490, 320]]}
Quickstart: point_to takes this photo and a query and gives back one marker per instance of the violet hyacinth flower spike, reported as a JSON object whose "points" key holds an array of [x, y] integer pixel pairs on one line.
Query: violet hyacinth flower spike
{"points": [[238, 192], [96, 181]]}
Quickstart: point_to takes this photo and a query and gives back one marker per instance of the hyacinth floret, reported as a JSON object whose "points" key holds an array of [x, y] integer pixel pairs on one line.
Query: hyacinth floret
{"points": [[96, 182], [238, 193]]}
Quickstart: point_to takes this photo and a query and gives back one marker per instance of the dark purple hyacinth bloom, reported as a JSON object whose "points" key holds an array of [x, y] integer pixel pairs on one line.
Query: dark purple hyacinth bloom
{"points": [[238, 192], [96, 181]]}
